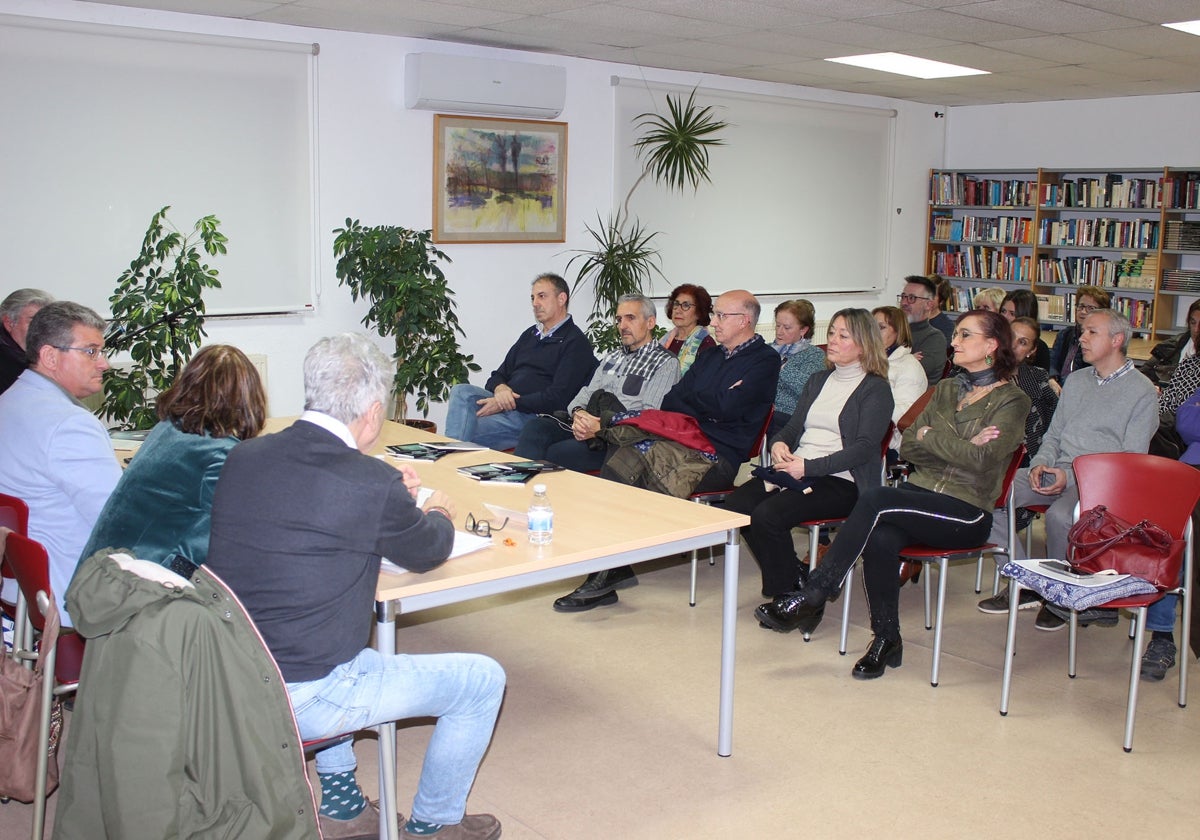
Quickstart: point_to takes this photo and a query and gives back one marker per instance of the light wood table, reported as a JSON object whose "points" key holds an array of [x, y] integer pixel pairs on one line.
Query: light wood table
{"points": [[598, 524]]}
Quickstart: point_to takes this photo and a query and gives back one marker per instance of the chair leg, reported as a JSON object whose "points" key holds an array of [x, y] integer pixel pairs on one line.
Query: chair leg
{"points": [[1072, 639], [814, 540], [1184, 654], [928, 618], [979, 574], [847, 589], [1134, 677], [43, 761], [1014, 599], [695, 562], [939, 621]]}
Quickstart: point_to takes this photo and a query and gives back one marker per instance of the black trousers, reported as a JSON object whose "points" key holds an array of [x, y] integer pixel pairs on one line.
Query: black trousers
{"points": [[773, 515], [884, 521]]}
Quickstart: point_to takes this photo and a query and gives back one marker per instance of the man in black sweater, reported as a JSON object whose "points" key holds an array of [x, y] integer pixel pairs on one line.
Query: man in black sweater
{"points": [[300, 521]]}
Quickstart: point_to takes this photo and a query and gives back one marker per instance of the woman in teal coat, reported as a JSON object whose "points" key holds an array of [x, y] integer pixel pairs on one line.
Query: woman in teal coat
{"points": [[160, 509]]}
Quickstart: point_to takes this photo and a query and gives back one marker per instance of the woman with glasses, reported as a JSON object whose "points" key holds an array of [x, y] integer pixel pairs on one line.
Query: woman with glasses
{"points": [[961, 445], [794, 324], [1022, 303], [905, 374], [690, 309], [161, 507], [1066, 357], [830, 447]]}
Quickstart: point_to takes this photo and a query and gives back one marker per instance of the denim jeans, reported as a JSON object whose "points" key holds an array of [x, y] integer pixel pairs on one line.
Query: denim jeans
{"points": [[462, 690], [496, 431]]}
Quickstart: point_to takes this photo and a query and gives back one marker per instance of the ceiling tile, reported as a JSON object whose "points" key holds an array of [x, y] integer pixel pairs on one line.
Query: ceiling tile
{"points": [[1045, 15]]}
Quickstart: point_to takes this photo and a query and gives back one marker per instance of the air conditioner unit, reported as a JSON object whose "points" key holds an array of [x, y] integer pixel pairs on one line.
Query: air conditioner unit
{"points": [[436, 82]]}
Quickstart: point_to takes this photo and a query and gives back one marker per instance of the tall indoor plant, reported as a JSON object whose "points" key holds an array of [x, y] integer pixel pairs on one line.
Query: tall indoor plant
{"points": [[674, 149], [397, 271], [158, 316]]}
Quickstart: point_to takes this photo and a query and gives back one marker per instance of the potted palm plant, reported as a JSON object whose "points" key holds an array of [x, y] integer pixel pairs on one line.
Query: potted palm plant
{"points": [[397, 271], [674, 149]]}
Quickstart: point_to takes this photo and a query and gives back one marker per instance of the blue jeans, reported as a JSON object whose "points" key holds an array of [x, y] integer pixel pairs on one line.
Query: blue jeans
{"points": [[462, 690], [496, 431]]}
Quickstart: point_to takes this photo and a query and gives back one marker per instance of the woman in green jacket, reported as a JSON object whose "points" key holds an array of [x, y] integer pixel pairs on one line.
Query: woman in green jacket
{"points": [[160, 509], [960, 445]]}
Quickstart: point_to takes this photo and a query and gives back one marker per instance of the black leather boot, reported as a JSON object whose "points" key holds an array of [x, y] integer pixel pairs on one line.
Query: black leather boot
{"points": [[881, 655], [791, 611], [600, 589]]}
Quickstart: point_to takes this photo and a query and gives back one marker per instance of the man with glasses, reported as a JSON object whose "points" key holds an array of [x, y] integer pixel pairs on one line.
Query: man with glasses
{"points": [[919, 301], [728, 390], [1066, 356], [56, 455], [636, 376]]}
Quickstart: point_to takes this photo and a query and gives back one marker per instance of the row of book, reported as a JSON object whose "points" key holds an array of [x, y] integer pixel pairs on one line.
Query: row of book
{"points": [[982, 262], [956, 189], [1094, 271], [1139, 312], [1008, 230], [1182, 191], [1110, 191], [1181, 280], [1099, 233], [1183, 236]]}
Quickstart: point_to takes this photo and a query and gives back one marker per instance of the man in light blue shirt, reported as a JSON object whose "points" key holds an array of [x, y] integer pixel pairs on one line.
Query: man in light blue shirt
{"points": [[56, 454]]}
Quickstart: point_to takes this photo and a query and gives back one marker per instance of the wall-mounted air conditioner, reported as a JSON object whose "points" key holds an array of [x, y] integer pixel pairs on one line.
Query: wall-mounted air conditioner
{"points": [[436, 82]]}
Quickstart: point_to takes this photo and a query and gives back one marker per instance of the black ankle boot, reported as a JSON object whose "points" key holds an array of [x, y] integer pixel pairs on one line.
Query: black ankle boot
{"points": [[881, 655], [792, 611]]}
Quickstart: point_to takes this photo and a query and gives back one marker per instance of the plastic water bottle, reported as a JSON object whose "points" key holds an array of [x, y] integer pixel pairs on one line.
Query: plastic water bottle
{"points": [[541, 517]]}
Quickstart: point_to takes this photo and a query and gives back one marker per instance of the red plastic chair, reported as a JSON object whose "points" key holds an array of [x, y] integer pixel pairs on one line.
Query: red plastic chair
{"points": [[31, 566], [14, 515], [926, 555], [1133, 487], [710, 496]]}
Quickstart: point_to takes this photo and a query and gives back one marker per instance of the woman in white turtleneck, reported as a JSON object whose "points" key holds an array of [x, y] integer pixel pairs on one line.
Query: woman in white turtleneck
{"points": [[831, 444]]}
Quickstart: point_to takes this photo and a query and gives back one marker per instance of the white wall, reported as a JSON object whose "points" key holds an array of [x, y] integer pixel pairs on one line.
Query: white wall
{"points": [[376, 165]]}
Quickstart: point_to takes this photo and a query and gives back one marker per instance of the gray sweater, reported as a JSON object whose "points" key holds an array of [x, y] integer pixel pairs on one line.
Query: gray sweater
{"points": [[1119, 416]]}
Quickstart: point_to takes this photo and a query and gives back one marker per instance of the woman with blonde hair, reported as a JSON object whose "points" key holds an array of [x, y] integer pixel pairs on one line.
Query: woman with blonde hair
{"points": [[989, 300]]}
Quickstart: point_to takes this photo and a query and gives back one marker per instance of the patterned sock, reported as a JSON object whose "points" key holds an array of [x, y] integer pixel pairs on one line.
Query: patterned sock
{"points": [[420, 827], [341, 797]]}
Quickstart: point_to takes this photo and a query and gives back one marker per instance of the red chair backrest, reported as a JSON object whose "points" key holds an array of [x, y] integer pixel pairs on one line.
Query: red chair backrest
{"points": [[30, 565], [1015, 464], [14, 515], [1136, 487], [759, 441]]}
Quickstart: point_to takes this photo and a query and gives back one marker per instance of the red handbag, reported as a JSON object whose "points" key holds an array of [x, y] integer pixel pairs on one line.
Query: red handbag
{"points": [[1101, 542]]}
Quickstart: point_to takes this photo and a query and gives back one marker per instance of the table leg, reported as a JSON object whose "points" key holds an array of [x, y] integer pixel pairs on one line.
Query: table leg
{"points": [[385, 643], [729, 607]]}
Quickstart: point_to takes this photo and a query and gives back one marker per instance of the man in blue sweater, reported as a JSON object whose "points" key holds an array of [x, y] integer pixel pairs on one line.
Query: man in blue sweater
{"points": [[547, 366], [728, 389]]}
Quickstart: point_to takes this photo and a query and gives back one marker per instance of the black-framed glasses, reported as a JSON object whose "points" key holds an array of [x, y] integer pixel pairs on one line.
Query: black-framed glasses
{"points": [[483, 527], [911, 298], [685, 305], [91, 352]]}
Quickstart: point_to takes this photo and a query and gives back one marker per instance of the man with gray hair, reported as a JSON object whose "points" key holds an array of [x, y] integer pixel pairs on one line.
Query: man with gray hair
{"points": [[635, 376], [300, 521], [16, 311], [56, 455]]}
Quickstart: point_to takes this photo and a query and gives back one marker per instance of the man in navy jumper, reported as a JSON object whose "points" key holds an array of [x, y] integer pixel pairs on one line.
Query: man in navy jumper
{"points": [[541, 372], [729, 389]]}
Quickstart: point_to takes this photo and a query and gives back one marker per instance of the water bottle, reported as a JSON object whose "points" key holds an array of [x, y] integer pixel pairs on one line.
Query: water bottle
{"points": [[541, 517]]}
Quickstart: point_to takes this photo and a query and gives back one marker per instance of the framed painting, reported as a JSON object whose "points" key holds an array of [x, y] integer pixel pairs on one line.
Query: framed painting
{"points": [[499, 180]]}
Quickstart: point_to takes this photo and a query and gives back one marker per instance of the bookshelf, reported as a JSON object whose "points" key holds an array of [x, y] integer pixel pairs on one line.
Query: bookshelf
{"points": [[1134, 232]]}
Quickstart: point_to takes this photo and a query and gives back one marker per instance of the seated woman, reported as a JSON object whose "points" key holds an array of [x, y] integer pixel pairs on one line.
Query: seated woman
{"points": [[160, 508], [905, 374], [989, 300], [961, 445], [690, 310], [1168, 355], [794, 322], [1022, 303], [831, 442]]}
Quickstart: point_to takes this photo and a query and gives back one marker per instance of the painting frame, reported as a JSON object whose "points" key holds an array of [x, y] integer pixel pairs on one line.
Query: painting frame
{"points": [[525, 205]]}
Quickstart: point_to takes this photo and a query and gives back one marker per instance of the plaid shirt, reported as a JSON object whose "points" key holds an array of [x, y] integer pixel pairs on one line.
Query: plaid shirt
{"points": [[639, 378]]}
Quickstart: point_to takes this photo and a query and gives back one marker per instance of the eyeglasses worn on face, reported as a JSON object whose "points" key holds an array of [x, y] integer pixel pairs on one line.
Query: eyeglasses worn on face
{"points": [[963, 334], [1087, 309], [685, 305], [90, 352], [721, 316], [911, 298], [483, 527]]}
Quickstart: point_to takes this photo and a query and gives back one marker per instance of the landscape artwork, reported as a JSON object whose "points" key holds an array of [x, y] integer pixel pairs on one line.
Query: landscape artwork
{"points": [[499, 180]]}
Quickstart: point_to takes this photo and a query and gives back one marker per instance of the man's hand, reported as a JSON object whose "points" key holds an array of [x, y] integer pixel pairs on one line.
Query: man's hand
{"points": [[506, 397], [439, 499], [411, 480], [1056, 480], [584, 425]]}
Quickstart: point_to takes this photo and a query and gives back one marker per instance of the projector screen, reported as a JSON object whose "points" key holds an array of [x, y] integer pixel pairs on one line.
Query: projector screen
{"points": [[798, 202], [105, 125]]}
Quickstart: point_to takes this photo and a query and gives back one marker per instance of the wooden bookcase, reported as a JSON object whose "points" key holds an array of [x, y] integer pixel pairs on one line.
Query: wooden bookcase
{"points": [[1053, 230]]}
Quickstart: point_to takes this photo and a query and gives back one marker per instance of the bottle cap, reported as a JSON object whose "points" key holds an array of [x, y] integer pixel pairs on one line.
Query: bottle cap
{"points": [[539, 488]]}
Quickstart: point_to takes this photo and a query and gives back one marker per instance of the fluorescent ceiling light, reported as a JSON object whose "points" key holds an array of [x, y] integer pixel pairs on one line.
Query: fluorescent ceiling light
{"points": [[1191, 27], [908, 65]]}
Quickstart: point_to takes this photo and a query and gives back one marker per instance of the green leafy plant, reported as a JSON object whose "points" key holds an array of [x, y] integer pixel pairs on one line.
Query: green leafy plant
{"points": [[396, 270], [158, 316], [675, 151]]}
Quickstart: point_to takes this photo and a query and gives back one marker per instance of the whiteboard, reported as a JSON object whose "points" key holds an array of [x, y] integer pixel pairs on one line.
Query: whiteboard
{"points": [[799, 199], [104, 125]]}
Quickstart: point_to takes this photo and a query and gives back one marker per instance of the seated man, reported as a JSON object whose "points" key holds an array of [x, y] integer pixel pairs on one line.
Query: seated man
{"points": [[16, 312], [636, 376], [729, 390], [919, 301], [1109, 407], [300, 520], [56, 455], [546, 367]]}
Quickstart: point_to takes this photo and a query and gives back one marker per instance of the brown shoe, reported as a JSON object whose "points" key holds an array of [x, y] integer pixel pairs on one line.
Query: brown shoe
{"points": [[472, 827], [363, 827]]}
